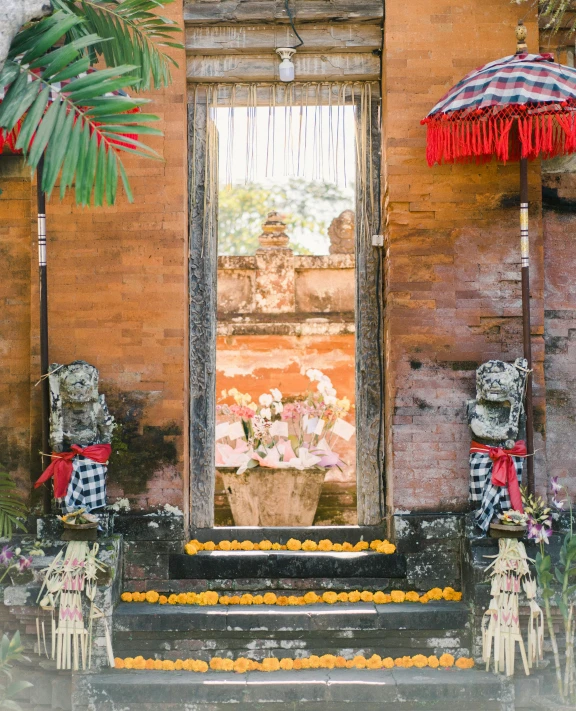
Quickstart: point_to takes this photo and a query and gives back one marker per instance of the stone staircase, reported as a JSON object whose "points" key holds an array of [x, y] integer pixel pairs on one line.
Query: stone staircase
{"points": [[259, 631]]}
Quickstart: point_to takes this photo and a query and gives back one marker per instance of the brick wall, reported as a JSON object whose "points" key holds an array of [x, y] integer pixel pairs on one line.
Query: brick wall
{"points": [[117, 299], [15, 254], [560, 325], [118, 283], [453, 290]]}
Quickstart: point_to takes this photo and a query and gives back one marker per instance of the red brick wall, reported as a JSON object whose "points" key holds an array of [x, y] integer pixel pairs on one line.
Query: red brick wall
{"points": [[15, 319], [453, 290], [118, 299]]}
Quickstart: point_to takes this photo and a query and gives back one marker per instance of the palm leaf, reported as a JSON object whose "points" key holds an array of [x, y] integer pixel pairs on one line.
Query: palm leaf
{"points": [[79, 127], [132, 33], [12, 508]]}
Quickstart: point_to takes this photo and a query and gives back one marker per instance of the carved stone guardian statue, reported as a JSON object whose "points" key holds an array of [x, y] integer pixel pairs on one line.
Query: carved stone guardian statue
{"points": [[497, 420], [80, 435]]}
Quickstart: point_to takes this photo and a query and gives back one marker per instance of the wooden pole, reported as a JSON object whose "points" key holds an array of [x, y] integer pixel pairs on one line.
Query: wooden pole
{"points": [[45, 385], [525, 254]]}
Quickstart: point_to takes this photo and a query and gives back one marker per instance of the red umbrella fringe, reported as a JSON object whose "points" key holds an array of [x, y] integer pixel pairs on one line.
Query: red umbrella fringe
{"points": [[479, 135]]}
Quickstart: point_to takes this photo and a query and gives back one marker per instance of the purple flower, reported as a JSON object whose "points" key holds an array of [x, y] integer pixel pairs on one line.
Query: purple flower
{"points": [[555, 486], [6, 555], [558, 504], [24, 563], [538, 532]]}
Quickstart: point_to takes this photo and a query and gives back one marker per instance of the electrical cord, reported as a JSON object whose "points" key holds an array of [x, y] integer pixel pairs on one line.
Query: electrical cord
{"points": [[294, 30]]}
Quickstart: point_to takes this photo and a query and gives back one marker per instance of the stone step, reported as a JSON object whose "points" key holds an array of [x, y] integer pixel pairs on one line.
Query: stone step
{"points": [[310, 690], [282, 534], [217, 565], [258, 631]]}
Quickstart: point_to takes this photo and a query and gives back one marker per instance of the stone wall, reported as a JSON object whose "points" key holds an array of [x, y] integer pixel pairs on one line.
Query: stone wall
{"points": [[560, 324]]}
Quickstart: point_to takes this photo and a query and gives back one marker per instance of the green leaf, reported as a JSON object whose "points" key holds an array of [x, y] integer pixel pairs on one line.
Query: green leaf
{"points": [[56, 150], [135, 33], [125, 182], [17, 686], [111, 177], [49, 38], [43, 133], [71, 159], [33, 117]]}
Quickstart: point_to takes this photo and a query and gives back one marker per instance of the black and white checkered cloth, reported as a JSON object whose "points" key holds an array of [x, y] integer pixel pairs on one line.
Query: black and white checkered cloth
{"points": [[494, 499], [87, 488]]}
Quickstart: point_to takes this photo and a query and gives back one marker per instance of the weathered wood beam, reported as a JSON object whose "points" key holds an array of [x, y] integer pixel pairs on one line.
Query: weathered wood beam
{"points": [[233, 39], [231, 11], [323, 94], [308, 67]]}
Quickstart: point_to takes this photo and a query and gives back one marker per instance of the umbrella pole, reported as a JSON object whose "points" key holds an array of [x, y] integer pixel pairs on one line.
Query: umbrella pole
{"points": [[525, 253], [45, 385]]}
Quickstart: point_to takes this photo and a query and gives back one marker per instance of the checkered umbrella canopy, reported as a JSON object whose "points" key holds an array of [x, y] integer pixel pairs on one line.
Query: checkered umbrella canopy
{"points": [[521, 106]]}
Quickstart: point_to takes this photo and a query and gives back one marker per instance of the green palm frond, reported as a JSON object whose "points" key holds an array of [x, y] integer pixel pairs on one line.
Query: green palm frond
{"points": [[12, 508], [132, 33], [81, 128]]}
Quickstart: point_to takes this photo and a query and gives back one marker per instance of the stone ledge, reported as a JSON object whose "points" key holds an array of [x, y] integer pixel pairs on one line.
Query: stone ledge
{"points": [[142, 617], [285, 564], [337, 534], [323, 688]]}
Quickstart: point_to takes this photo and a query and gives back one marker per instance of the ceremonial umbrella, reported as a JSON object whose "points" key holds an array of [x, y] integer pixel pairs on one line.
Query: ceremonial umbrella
{"points": [[520, 108], [9, 139]]}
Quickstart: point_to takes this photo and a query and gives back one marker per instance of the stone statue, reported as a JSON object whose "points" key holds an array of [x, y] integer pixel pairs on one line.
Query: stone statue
{"points": [[81, 430], [497, 420], [78, 415], [497, 414], [342, 233]]}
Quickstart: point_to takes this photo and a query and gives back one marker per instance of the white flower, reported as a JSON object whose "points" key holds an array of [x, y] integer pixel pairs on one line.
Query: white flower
{"points": [[276, 394], [253, 406], [232, 392], [265, 400], [224, 394], [278, 407], [315, 374], [266, 413], [330, 400]]}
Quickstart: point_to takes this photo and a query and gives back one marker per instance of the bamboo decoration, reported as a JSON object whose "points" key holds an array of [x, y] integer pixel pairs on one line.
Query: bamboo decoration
{"points": [[501, 623], [72, 572]]}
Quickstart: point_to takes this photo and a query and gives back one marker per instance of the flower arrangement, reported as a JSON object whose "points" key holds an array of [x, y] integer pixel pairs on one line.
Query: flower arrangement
{"points": [[281, 433], [78, 518], [513, 518], [539, 518], [329, 597], [241, 665], [194, 546]]}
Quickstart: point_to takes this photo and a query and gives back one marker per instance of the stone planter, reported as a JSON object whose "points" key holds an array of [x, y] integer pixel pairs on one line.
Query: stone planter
{"points": [[273, 497]]}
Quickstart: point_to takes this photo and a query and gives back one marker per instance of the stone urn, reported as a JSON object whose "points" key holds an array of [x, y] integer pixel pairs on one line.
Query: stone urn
{"points": [[273, 497]]}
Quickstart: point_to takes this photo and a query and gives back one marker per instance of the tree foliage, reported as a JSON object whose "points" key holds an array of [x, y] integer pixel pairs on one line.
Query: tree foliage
{"points": [[307, 206], [77, 116]]}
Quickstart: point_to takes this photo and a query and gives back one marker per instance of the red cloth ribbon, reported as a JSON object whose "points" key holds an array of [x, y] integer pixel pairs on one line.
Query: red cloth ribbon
{"points": [[61, 465], [503, 469]]}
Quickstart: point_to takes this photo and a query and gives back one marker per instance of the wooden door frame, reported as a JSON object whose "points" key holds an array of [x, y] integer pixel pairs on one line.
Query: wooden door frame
{"points": [[202, 280]]}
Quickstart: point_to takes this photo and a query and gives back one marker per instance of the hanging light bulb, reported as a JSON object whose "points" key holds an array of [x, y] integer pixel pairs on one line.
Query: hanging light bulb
{"points": [[286, 65]]}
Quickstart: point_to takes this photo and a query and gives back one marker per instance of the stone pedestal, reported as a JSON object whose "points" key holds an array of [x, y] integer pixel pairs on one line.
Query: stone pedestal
{"points": [[274, 287]]}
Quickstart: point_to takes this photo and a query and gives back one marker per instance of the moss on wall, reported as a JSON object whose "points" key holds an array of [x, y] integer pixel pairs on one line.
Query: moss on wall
{"points": [[138, 450]]}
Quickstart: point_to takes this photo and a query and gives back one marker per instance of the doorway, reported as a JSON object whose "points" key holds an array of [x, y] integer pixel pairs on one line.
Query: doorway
{"points": [[263, 131]]}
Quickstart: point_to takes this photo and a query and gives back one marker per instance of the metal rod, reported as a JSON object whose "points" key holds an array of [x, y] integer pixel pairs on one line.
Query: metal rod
{"points": [[44, 360], [525, 254]]}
